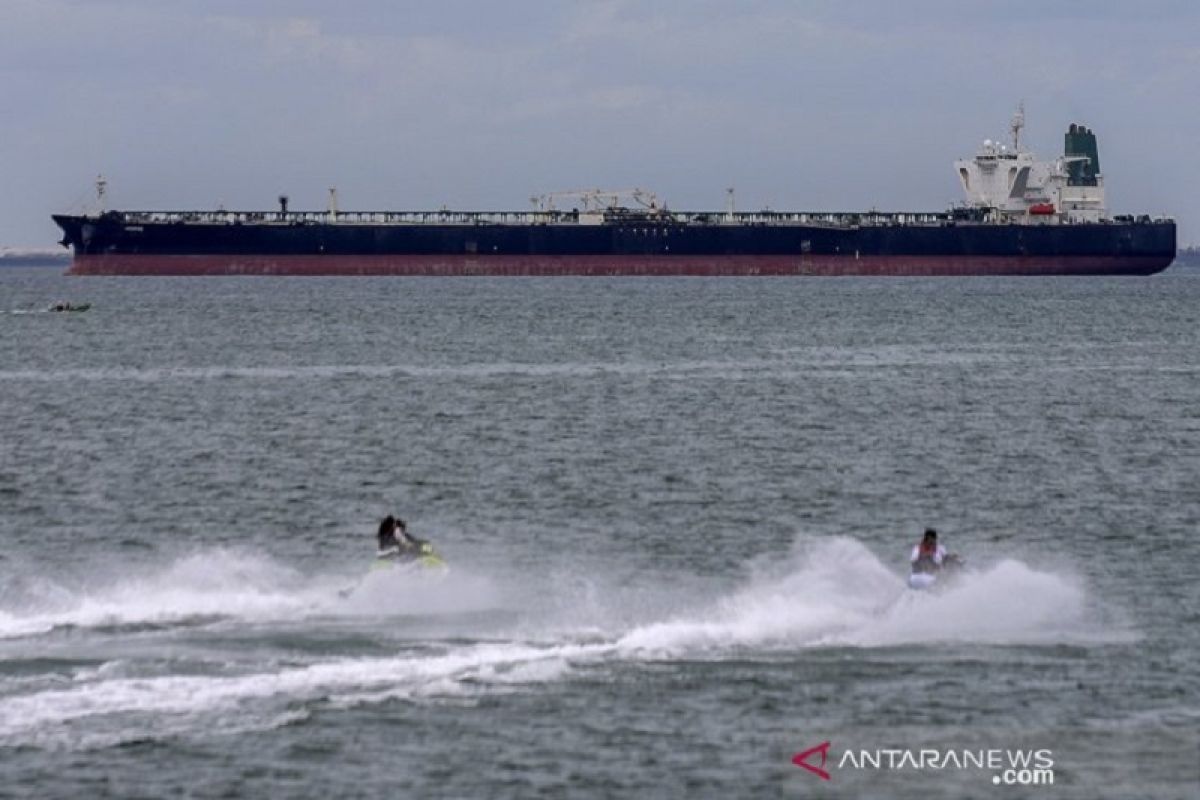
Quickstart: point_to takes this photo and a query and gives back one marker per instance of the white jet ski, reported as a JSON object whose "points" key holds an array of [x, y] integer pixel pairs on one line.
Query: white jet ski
{"points": [[952, 567]]}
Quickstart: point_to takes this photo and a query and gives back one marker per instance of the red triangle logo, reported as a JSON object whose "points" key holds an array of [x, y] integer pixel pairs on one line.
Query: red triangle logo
{"points": [[801, 760]]}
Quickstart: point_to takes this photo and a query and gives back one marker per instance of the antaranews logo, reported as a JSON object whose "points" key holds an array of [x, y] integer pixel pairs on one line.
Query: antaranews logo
{"points": [[1009, 767], [801, 760]]}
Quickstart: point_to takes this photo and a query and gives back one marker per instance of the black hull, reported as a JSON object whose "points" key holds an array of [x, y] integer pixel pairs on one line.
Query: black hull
{"points": [[113, 244]]}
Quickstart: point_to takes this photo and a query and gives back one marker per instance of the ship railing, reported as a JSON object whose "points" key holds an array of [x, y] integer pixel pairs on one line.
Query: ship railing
{"points": [[438, 217], [841, 219], [831, 218]]}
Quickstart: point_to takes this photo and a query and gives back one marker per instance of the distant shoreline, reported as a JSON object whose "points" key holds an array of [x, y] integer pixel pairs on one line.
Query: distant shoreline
{"points": [[1187, 257], [35, 259]]}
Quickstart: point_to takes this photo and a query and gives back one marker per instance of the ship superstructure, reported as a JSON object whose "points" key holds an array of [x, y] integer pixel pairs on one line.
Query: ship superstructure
{"points": [[1014, 186]]}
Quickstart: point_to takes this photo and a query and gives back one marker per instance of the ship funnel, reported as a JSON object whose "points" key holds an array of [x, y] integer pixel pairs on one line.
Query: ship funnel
{"points": [[1079, 141], [283, 200]]}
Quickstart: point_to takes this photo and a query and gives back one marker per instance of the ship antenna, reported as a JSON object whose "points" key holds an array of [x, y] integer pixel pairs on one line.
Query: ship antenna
{"points": [[101, 189], [729, 201], [1018, 122]]}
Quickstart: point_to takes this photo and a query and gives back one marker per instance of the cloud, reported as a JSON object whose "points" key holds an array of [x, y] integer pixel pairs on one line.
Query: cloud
{"points": [[824, 105]]}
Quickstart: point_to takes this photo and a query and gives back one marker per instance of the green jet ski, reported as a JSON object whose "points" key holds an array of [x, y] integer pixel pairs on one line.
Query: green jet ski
{"points": [[422, 557]]}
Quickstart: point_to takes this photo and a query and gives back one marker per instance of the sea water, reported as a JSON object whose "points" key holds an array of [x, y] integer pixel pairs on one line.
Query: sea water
{"points": [[677, 514]]}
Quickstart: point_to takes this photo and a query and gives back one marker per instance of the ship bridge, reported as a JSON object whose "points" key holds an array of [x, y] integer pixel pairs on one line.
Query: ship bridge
{"points": [[1011, 184]]}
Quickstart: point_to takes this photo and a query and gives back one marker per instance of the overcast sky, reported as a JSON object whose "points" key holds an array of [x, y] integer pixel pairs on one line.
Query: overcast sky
{"points": [[478, 105]]}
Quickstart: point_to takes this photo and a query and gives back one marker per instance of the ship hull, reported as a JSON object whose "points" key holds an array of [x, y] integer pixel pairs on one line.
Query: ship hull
{"points": [[142, 243], [613, 265]]}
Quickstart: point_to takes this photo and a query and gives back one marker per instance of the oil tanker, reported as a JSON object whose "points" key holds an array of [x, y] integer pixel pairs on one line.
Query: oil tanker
{"points": [[1021, 216]]}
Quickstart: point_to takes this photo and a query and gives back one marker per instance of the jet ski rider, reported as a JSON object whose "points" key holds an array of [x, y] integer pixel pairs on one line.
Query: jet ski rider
{"points": [[394, 540], [928, 556]]}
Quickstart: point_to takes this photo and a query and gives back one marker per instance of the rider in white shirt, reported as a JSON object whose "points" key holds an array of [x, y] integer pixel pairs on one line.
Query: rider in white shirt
{"points": [[928, 555]]}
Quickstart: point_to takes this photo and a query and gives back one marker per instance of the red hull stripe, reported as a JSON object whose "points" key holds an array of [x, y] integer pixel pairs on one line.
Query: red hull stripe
{"points": [[145, 264]]}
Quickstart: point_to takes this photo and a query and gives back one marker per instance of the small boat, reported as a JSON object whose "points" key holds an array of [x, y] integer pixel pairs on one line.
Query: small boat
{"points": [[64, 306]]}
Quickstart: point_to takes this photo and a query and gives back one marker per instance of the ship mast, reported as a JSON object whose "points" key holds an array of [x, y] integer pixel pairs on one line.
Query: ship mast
{"points": [[101, 189], [1018, 122]]}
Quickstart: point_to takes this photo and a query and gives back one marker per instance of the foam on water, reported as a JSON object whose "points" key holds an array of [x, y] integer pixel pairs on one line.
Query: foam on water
{"points": [[418, 592], [231, 584], [263, 695], [219, 583], [834, 592]]}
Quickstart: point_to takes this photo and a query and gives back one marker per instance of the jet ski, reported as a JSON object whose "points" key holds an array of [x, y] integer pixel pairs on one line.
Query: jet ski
{"points": [[952, 567], [422, 558]]}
